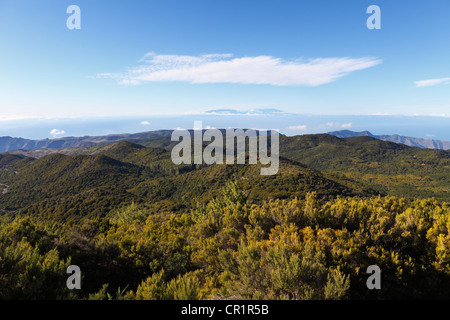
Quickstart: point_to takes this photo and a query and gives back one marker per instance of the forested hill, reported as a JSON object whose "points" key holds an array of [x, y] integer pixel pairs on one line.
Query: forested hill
{"points": [[115, 175], [123, 172], [389, 168]]}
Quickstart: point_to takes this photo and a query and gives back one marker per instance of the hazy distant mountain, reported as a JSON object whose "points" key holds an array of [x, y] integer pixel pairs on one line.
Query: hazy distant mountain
{"points": [[409, 141], [158, 139], [162, 139], [10, 143]]}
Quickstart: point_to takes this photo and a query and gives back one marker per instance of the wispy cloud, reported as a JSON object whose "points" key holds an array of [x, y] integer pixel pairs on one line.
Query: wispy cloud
{"points": [[235, 112], [338, 125], [347, 125], [301, 127], [431, 82], [57, 132], [224, 68], [380, 114], [145, 123], [440, 115]]}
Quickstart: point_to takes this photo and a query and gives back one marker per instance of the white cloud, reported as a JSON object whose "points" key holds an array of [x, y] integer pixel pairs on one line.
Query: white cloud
{"points": [[338, 125], [347, 125], [145, 123], [57, 132], [224, 68], [300, 127], [441, 115], [431, 82]]}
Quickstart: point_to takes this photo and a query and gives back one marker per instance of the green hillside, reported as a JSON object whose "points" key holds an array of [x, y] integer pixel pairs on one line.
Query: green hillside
{"points": [[102, 178], [364, 162], [387, 167]]}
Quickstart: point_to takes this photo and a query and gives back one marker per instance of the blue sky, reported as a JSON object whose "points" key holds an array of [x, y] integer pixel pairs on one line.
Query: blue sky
{"points": [[144, 58]]}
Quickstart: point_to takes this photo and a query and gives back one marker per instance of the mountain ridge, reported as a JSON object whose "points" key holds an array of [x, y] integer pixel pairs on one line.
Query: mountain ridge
{"points": [[161, 139], [155, 138], [406, 140]]}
